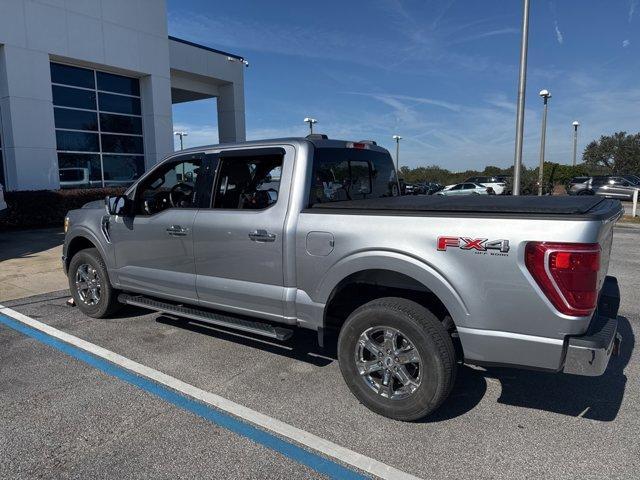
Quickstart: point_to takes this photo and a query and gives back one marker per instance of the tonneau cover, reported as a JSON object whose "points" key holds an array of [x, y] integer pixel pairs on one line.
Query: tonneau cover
{"points": [[482, 204]]}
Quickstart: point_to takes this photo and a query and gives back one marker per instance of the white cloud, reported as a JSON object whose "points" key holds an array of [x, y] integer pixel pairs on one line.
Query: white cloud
{"points": [[632, 8], [626, 43], [559, 35]]}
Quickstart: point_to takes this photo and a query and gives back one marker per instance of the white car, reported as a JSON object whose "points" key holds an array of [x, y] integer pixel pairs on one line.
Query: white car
{"points": [[493, 182], [467, 189], [3, 204]]}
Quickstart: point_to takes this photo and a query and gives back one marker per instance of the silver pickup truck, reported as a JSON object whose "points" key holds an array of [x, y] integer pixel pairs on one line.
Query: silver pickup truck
{"points": [[269, 236]]}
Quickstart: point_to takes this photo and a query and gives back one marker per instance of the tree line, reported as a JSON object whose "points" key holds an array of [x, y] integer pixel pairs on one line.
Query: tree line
{"points": [[615, 154]]}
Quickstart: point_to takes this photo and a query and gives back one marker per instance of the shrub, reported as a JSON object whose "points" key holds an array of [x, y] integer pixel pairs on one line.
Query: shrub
{"points": [[47, 208]]}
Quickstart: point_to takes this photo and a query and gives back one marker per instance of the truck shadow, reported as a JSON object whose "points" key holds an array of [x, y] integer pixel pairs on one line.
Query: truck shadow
{"points": [[302, 346], [595, 398]]}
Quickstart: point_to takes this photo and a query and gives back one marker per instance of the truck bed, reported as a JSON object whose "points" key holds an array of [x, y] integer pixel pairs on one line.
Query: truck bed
{"points": [[566, 207]]}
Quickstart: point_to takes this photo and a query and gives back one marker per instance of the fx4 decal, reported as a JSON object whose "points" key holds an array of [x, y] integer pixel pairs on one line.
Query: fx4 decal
{"points": [[475, 244]]}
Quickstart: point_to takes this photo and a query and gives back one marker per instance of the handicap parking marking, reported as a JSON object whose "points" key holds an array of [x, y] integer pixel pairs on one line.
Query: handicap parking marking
{"points": [[256, 426]]}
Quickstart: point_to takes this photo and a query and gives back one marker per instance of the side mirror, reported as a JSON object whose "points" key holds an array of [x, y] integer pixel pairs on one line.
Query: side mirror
{"points": [[120, 205]]}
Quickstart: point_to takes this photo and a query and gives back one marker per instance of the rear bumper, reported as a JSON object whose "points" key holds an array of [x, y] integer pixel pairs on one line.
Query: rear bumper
{"points": [[589, 354]]}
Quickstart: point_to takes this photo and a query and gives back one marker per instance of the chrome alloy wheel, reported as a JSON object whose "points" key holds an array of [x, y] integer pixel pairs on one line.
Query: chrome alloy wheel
{"points": [[88, 284], [388, 362]]}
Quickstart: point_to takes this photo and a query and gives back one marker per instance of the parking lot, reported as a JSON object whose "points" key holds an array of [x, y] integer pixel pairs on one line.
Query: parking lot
{"points": [[62, 417]]}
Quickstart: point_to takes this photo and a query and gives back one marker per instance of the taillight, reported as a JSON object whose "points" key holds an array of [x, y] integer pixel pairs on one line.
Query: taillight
{"points": [[567, 273]]}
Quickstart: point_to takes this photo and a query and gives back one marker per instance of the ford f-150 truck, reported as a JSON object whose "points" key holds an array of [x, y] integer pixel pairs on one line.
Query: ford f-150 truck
{"points": [[269, 236]]}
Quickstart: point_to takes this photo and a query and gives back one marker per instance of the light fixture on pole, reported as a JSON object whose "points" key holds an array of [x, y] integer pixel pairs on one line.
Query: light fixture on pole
{"points": [[311, 122], [181, 135], [397, 138], [546, 95], [575, 124], [522, 84]]}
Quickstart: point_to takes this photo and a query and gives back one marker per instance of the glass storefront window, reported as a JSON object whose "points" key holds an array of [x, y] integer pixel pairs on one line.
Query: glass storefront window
{"points": [[98, 127]]}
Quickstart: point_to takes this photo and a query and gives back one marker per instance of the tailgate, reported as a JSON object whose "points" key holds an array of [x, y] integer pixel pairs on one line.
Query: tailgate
{"points": [[605, 237]]}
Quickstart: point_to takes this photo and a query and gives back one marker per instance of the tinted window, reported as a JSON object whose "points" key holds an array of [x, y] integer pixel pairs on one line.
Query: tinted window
{"points": [[75, 119], [76, 110], [457, 187], [172, 185], [121, 144], [122, 170], [600, 180], [248, 183], [68, 75], [78, 170], [349, 174], [74, 97], [120, 124], [119, 104], [118, 84], [77, 141], [468, 186]]}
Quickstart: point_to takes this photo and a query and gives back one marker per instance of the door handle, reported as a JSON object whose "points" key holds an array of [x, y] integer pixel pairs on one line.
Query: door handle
{"points": [[262, 236], [177, 231]]}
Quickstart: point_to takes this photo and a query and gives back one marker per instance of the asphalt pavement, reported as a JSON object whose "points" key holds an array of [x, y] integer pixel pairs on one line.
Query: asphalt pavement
{"points": [[64, 419]]}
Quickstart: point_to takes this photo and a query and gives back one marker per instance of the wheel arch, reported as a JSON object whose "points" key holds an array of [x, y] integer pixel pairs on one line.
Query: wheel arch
{"points": [[81, 240], [372, 274]]}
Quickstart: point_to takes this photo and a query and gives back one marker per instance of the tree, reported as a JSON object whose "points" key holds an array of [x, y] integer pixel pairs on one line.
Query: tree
{"points": [[618, 153]]}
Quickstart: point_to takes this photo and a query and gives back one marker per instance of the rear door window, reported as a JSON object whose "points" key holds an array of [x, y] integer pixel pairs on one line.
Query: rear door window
{"points": [[248, 181], [341, 174]]}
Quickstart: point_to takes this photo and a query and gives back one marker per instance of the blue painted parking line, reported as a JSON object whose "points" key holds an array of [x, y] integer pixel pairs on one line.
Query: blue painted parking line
{"points": [[290, 450]]}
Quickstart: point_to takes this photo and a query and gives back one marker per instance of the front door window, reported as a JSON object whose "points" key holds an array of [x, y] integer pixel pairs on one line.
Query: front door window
{"points": [[174, 185]]}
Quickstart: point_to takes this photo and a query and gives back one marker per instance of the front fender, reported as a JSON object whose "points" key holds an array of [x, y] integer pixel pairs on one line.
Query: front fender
{"points": [[85, 232], [412, 267]]}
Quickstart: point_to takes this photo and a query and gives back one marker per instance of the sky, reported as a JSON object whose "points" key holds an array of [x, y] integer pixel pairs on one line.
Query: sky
{"points": [[442, 74]]}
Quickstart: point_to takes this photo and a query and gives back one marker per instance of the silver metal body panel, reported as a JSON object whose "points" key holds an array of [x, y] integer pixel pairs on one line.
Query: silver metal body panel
{"points": [[501, 314], [149, 259]]}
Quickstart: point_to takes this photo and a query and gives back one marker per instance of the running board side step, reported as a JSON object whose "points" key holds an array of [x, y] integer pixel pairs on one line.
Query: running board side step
{"points": [[206, 316]]}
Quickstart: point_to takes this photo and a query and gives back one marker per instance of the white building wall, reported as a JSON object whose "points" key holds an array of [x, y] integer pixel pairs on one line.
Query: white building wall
{"points": [[123, 36], [127, 37]]}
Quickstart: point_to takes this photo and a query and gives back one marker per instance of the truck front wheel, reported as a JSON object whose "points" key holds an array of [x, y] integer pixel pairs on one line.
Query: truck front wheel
{"points": [[397, 358], [90, 286]]}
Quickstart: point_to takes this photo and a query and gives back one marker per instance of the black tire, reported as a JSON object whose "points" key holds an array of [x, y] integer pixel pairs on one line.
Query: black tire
{"points": [[108, 303], [429, 337]]}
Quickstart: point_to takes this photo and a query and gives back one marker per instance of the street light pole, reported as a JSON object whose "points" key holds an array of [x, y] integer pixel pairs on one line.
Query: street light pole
{"points": [[311, 122], [543, 136], [522, 84], [397, 138], [181, 135], [575, 124]]}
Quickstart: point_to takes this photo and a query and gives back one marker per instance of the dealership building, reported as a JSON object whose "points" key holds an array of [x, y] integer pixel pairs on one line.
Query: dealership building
{"points": [[87, 87]]}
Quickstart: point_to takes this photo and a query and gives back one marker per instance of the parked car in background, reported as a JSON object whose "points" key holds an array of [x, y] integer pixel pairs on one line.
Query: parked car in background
{"points": [[429, 188], [467, 188], [3, 204], [635, 179], [579, 186], [409, 189], [614, 187], [608, 186], [495, 183]]}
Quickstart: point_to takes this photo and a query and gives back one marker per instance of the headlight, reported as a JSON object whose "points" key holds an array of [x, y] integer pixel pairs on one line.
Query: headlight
{"points": [[66, 224]]}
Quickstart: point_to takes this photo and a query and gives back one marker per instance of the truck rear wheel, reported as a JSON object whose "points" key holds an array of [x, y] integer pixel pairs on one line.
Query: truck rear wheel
{"points": [[397, 358], [90, 286]]}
